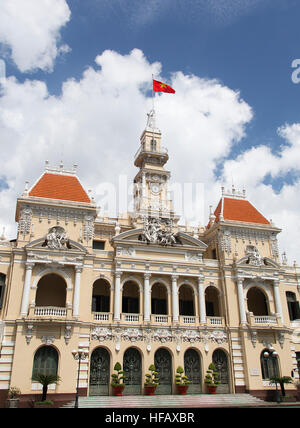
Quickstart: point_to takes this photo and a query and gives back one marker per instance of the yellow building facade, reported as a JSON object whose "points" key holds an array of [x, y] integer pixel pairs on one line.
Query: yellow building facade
{"points": [[142, 289]]}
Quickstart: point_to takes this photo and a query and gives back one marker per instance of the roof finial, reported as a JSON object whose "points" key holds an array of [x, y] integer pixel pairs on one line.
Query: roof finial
{"points": [[2, 237], [151, 119]]}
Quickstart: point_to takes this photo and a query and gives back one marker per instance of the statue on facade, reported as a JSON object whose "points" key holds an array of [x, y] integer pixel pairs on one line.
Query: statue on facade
{"points": [[255, 258], [56, 239], [158, 231]]}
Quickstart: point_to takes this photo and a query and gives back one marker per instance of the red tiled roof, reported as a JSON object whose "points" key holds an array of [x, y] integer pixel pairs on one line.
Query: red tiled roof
{"points": [[239, 210], [59, 186]]}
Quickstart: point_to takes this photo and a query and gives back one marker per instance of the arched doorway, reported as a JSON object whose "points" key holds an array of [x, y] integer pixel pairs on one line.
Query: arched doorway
{"points": [[51, 291], [220, 360], [132, 366], [163, 365], [192, 368], [99, 372], [257, 302]]}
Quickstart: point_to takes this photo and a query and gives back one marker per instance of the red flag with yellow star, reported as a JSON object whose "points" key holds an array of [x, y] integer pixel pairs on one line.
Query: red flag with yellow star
{"points": [[162, 87]]}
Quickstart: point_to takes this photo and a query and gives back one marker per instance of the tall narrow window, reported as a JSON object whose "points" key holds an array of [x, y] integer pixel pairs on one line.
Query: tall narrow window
{"points": [[153, 146], [269, 365], [2, 288], [101, 296], [293, 306]]}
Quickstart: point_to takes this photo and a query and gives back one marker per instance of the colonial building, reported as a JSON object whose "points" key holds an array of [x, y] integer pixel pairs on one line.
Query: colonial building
{"points": [[142, 289]]}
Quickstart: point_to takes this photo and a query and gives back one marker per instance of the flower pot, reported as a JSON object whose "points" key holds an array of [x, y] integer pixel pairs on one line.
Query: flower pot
{"points": [[212, 389], [182, 389], [277, 397], [12, 403], [150, 389], [118, 390]]}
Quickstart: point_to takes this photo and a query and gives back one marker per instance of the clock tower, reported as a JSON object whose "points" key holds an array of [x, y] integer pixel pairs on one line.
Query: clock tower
{"points": [[151, 184]]}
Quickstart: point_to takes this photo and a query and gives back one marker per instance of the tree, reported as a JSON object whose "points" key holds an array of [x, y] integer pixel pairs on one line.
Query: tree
{"points": [[281, 381], [45, 381]]}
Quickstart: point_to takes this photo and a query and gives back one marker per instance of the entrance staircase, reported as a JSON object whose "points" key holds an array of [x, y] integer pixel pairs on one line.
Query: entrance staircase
{"points": [[169, 401]]}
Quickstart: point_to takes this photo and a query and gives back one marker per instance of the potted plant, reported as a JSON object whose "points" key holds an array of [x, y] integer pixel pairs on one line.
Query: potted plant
{"points": [[45, 381], [212, 379], [277, 380], [151, 381], [13, 400], [182, 381], [117, 380]]}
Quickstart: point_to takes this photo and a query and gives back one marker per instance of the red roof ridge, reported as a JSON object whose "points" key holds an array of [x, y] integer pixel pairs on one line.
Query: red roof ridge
{"points": [[235, 206], [59, 183]]}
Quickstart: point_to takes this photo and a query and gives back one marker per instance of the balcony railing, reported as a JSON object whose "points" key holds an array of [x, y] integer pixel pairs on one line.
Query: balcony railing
{"points": [[141, 150], [262, 319], [131, 317], [265, 319], [102, 316], [163, 319], [215, 321], [50, 311], [187, 319]]}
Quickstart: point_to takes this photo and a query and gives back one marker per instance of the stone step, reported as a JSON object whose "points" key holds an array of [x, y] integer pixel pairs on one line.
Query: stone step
{"points": [[168, 401]]}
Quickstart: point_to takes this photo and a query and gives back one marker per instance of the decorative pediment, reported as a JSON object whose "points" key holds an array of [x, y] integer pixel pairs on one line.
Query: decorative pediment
{"points": [[181, 239], [40, 244], [263, 262]]}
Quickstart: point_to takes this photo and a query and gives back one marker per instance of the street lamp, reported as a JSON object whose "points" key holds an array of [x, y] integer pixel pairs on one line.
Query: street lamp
{"points": [[78, 355]]}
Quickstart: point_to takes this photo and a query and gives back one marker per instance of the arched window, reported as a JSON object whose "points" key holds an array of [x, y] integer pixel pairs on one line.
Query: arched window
{"points": [[159, 299], [212, 302], [101, 296], [186, 300], [45, 361], [257, 302], [51, 291], [130, 298], [269, 364], [293, 306], [2, 288]]}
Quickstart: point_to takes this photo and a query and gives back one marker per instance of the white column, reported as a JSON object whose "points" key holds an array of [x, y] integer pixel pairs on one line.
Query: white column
{"points": [[76, 297], [26, 290], [117, 300], [175, 303], [147, 297], [277, 300], [201, 297], [243, 318]]}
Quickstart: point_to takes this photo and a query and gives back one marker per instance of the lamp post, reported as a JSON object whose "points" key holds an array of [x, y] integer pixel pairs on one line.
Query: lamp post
{"points": [[79, 355]]}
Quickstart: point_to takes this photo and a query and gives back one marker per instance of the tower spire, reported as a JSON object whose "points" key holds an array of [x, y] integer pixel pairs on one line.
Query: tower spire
{"points": [[151, 194]]}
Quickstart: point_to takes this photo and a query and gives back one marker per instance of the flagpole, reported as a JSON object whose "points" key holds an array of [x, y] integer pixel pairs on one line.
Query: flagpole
{"points": [[152, 94]]}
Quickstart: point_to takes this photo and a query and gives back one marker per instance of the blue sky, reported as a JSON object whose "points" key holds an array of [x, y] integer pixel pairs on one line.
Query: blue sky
{"points": [[245, 47]]}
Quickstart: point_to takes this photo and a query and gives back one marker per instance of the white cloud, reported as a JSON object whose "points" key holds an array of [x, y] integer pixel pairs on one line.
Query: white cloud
{"points": [[253, 166], [31, 30], [97, 121]]}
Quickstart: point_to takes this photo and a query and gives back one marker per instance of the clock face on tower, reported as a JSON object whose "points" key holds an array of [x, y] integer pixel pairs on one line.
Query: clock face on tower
{"points": [[155, 188]]}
